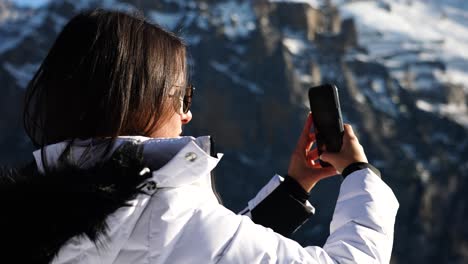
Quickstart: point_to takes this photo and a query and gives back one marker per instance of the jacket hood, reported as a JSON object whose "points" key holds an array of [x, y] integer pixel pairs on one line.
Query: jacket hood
{"points": [[44, 210]]}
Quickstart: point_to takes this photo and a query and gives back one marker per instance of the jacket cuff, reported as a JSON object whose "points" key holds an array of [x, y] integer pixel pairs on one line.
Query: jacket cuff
{"points": [[359, 166], [295, 189], [282, 208]]}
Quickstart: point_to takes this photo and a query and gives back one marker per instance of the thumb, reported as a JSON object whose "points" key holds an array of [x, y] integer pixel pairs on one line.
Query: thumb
{"points": [[328, 157], [349, 132]]}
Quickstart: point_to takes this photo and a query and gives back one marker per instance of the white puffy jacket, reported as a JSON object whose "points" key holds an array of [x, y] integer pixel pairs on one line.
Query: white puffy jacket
{"points": [[183, 222]]}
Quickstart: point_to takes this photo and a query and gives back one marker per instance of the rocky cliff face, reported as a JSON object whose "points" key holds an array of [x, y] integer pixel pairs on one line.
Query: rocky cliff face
{"points": [[253, 63]]}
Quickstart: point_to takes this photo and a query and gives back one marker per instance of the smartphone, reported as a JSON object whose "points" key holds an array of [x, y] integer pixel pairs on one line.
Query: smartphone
{"points": [[328, 121]]}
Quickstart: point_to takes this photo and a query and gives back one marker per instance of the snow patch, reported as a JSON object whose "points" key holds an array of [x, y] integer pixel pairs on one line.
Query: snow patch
{"points": [[237, 19], [423, 172], [225, 69], [294, 45], [12, 37], [303, 54], [201, 19], [376, 90], [425, 106], [9, 13], [23, 73], [60, 21], [409, 150], [192, 39], [398, 33], [457, 112], [168, 20]]}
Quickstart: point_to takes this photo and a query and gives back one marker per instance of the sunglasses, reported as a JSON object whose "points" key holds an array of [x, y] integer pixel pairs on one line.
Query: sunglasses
{"points": [[187, 100]]}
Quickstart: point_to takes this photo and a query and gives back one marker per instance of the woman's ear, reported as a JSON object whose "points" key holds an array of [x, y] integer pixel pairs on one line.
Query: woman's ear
{"points": [[186, 117]]}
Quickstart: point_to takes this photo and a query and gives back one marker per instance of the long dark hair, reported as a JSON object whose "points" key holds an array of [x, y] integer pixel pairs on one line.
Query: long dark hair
{"points": [[108, 74]]}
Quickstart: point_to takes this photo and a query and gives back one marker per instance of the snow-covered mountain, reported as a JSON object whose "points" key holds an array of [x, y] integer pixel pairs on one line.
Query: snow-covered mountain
{"points": [[400, 67], [424, 43]]}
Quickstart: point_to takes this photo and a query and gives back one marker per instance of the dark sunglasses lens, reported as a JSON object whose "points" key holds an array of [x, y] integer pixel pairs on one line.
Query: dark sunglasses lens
{"points": [[188, 98], [186, 107]]}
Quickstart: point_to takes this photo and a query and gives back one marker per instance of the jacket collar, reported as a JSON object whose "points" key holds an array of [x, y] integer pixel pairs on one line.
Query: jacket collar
{"points": [[174, 162]]}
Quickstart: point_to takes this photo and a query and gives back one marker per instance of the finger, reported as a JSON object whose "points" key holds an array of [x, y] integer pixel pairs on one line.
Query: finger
{"points": [[330, 171], [308, 147], [323, 148], [314, 164], [310, 162], [312, 127], [327, 157], [310, 142], [302, 142], [312, 136], [313, 154], [349, 131], [308, 125]]}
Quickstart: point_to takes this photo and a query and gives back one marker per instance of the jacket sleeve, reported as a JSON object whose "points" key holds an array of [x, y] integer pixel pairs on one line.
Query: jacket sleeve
{"points": [[361, 230], [280, 205]]}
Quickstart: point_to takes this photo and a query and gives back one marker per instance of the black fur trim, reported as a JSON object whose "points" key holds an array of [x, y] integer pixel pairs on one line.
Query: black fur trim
{"points": [[39, 213]]}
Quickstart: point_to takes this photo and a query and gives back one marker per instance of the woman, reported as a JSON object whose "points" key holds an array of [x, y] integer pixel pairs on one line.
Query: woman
{"points": [[114, 183]]}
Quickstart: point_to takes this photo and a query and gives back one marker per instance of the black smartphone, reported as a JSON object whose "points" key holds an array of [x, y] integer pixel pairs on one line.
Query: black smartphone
{"points": [[328, 122]]}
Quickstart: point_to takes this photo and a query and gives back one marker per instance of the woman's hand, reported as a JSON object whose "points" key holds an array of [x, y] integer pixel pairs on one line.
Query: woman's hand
{"points": [[351, 151], [304, 166]]}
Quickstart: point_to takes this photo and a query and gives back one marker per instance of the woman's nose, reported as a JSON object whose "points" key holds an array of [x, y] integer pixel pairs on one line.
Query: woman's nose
{"points": [[186, 117]]}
